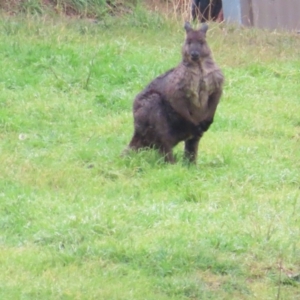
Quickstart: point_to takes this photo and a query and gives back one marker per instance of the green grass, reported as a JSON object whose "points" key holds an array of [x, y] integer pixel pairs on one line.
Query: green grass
{"points": [[80, 222]]}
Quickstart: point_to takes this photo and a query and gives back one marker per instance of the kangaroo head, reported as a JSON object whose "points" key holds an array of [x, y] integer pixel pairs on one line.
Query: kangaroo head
{"points": [[195, 47]]}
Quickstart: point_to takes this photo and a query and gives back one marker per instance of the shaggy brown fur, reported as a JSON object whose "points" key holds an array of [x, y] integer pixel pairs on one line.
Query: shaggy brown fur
{"points": [[180, 104]]}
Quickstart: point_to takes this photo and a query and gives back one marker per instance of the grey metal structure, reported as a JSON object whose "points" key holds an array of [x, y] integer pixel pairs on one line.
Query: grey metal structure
{"points": [[268, 14]]}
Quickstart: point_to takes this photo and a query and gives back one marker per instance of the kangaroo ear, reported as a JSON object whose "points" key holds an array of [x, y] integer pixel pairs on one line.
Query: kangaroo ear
{"points": [[204, 28], [187, 26]]}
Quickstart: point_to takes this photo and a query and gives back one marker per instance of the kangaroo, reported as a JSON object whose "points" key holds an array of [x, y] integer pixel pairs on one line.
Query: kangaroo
{"points": [[179, 105]]}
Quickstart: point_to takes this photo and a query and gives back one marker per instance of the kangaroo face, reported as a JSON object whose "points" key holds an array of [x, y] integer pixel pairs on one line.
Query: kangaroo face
{"points": [[195, 47]]}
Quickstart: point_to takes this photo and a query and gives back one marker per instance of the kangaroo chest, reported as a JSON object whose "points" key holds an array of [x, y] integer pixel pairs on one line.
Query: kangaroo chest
{"points": [[195, 86], [187, 90]]}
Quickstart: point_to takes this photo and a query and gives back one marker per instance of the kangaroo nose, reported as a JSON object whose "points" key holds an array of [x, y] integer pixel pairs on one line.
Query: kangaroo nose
{"points": [[195, 55]]}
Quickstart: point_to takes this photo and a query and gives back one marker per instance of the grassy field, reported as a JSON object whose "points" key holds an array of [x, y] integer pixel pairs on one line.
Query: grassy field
{"points": [[80, 222]]}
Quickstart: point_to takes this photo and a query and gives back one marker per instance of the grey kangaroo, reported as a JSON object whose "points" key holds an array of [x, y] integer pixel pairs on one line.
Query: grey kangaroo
{"points": [[179, 105]]}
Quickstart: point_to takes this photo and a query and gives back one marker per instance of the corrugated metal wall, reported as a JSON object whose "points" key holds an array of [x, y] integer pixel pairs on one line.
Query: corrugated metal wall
{"points": [[273, 14], [269, 14]]}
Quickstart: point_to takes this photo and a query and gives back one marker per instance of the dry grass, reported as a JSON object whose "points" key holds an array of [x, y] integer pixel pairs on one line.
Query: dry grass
{"points": [[176, 9], [86, 8]]}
